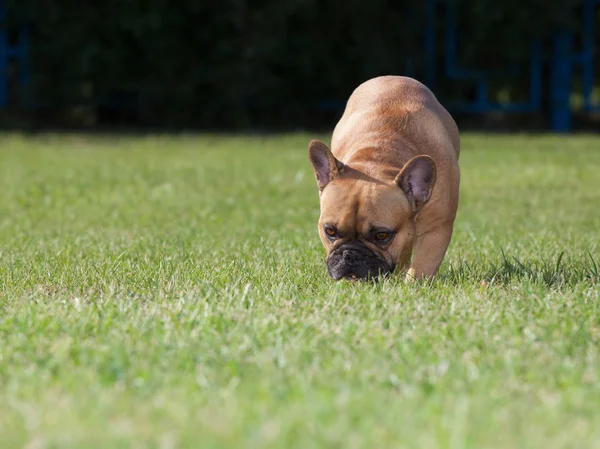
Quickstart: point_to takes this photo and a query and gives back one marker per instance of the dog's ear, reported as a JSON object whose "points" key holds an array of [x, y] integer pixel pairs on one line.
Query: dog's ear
{"points": [[417, 179], [324, 163]]}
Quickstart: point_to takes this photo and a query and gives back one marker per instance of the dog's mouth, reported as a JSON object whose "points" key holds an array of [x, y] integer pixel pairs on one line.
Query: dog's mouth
{"points": [[354, 261]]}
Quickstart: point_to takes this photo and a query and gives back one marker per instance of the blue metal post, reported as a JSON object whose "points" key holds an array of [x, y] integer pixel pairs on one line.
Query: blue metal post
{"points": [[561, 82], [430, 43], [453, 69], [450, 42], [24, 64], [535, 74], [482, 93], [587, 57], [3, 56]]}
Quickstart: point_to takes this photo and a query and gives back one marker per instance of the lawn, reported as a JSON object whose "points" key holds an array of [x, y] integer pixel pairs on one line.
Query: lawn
{"points": [[171, 292]]}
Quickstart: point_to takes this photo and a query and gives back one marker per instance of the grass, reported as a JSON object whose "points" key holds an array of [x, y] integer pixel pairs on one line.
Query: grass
{"points": [[171, 292]]}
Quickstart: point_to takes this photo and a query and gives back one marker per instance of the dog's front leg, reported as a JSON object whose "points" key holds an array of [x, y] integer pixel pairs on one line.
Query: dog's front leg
{"points": [[429, 251]]}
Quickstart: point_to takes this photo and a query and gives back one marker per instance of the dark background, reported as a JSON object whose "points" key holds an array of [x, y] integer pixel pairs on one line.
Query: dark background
{"points": [[262, 65]]}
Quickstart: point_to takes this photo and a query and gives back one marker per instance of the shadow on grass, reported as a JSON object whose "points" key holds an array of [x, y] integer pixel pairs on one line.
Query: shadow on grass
{"points": [[552, 273]]}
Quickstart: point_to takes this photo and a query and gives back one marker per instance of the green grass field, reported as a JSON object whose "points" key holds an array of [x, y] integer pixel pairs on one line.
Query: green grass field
{"points": [[171, 292]]}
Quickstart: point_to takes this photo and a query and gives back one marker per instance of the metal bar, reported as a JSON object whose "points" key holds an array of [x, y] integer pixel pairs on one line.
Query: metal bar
{"points": [[452, 68], [589, 18], [482, 93], [4, 50], [535, 76], [561, 81], [429, 43], [24, 64], [490, 107]]}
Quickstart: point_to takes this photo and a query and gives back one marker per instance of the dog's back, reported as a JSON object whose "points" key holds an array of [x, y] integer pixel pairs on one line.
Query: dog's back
{"points": [[395, 112]]}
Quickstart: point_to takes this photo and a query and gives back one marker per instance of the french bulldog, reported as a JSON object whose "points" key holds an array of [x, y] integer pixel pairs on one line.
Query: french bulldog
{"points": [[389, 185]]}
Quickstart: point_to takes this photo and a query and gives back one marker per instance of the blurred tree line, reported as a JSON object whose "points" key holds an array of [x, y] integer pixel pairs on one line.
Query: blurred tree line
{"points": [[225, 64]]}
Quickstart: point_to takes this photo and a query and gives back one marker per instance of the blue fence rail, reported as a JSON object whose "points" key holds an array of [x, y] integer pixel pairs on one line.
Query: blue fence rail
{"points": [[562, 58], [13, 51], [453, 71]]}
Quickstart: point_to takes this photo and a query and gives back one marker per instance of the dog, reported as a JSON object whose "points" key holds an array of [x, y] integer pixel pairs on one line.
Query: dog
{"points": [[389, 185]]}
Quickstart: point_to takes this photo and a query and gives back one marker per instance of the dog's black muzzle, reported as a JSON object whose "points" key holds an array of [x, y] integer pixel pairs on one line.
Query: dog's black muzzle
{"points": [[353, 260]]}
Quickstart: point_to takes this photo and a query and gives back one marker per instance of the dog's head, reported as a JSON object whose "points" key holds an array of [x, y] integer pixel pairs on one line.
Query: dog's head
{"points": [[367, 225]]}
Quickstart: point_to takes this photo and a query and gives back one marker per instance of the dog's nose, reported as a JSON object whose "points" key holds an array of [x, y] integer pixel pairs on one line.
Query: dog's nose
{"points": [[350, 256]]}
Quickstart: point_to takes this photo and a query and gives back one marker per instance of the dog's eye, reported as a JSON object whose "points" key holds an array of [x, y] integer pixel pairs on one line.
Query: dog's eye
{"points": [[331, 232], [383, 236]]}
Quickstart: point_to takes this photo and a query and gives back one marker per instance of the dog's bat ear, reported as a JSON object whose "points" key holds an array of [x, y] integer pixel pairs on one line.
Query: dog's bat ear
{"points": [[417, 179], [324, 163]]}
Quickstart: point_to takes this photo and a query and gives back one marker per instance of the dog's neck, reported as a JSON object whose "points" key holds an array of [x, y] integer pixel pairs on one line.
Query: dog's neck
{"points": [[381, 162]]}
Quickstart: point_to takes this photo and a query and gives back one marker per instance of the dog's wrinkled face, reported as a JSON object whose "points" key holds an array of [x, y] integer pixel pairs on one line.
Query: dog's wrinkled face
{"points": [[366, 228], [366, 225]]}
